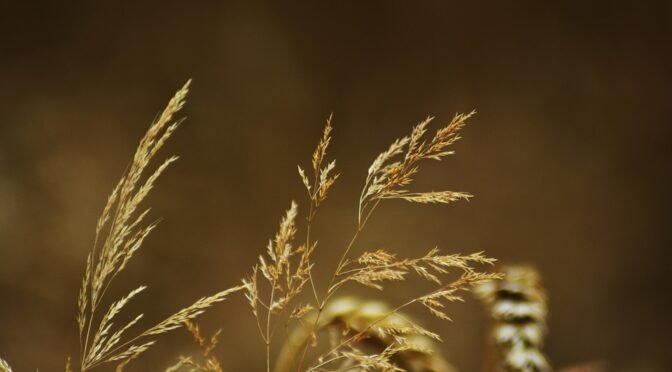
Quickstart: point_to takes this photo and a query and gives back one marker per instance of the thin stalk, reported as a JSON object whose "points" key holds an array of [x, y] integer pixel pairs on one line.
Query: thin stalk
{"points": [[339, 267], [310, 272], [268, 331], [352, 242]]}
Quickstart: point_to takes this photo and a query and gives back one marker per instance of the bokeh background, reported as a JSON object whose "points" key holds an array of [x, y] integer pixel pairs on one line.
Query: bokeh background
{"points": [[569, 157]]}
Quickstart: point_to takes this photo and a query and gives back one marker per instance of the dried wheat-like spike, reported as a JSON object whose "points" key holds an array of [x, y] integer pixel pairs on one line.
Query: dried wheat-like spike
{"points": [[318, 189], [4, 366], [518, 308], [394, 343], [120, 232], [284, 281], [323, 180], [391, 173]]}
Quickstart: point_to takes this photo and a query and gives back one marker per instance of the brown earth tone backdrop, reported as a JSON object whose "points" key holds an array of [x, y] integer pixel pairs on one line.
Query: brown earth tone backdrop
{"points": [[568, 157]]}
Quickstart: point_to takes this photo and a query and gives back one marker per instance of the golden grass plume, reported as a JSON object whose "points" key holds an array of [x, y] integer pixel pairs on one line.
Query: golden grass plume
{"points": [[120, 232], [287, 266]]}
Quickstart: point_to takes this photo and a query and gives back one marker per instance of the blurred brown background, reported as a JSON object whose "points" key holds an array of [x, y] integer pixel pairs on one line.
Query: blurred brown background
{"points": [[569, 156]]}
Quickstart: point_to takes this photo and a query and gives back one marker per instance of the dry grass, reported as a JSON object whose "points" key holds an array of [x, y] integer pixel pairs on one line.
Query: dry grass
{"points": [[120, 232], [360, 335], [390, 174], [287, 267]]}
